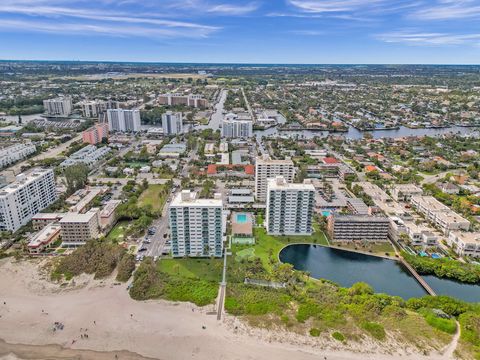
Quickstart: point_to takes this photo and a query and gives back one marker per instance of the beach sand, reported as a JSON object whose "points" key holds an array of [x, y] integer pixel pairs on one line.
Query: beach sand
{"points": [[117, 325]]}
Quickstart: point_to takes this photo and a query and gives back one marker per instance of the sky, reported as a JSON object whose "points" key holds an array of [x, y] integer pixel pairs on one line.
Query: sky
{"points": [[243, 31]]}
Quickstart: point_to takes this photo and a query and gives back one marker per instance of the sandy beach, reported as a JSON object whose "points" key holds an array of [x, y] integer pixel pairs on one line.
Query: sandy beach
{"points": [[118, 326]]}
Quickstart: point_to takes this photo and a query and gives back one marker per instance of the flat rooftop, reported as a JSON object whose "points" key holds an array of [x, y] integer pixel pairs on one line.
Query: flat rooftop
{"points": [[188, 198], [79, 218], [279, 183]]}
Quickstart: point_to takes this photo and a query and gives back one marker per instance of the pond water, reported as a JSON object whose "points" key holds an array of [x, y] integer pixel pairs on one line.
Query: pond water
{"points": [[385, 276]]}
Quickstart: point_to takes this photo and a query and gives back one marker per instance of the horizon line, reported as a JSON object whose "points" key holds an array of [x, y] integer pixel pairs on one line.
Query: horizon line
{"points": [[236, 63]]}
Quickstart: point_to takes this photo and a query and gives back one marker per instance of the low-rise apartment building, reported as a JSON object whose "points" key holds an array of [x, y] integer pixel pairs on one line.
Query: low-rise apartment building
{"points": [[439, 214], [89, 155], [404, 192], [358, 228], [43, 239], [13, 153], [40, 220], [465, 243], [420, 235], [77, 228], [108, 215]]}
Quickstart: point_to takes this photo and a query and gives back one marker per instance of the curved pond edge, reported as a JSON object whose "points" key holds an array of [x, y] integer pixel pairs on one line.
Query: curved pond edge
{"points": [[444, 290]]}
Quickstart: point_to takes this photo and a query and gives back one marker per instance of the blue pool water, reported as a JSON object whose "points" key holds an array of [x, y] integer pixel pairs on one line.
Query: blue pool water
{"points": [[241, 218], [326, 213]]}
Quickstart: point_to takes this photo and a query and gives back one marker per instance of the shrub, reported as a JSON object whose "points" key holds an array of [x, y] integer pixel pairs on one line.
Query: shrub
{"points": [[446, 325], [126, 266], [374, 329], [95, 257], [315, 332], [305, 311], [338, 336], [146, 282]]}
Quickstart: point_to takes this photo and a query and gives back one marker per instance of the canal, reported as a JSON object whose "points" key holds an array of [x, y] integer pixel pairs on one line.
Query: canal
{"points": [[385, 276], [376, 134]]}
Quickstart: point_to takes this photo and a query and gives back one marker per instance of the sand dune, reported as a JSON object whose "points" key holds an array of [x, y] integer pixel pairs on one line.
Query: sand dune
{"points": [[117, 325]]}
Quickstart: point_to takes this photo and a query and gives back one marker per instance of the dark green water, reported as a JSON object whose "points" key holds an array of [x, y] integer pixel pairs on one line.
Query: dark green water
{"points": [[385, 276]]}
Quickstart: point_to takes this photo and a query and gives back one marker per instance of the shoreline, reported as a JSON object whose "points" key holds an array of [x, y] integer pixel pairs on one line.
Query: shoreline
{"points": [[153, 329]]}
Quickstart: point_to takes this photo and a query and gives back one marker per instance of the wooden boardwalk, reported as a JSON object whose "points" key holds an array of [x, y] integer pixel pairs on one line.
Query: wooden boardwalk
{"points": [[420, 280]]}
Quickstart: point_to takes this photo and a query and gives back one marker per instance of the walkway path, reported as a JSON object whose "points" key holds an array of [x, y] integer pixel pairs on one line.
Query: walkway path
{"points": [[449, 351], [223, 287]]}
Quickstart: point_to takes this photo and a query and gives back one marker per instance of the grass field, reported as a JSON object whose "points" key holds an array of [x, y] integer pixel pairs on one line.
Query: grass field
{"points": [[155, 195], [378, 249], [206, 269], [118, 232]]}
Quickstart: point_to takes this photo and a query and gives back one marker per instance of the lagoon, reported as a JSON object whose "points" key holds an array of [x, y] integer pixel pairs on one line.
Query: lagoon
{"points": [[385, 275]]}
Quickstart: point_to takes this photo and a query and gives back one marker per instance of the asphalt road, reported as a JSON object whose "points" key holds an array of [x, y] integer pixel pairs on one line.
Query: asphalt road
{"points": [[155, 248]]}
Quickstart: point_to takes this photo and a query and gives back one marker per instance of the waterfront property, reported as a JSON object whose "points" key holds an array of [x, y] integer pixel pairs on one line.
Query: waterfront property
{"points": [[44, 239], [358, 228], [289, 207], [77, 228], [22, 199], [196, 225]]}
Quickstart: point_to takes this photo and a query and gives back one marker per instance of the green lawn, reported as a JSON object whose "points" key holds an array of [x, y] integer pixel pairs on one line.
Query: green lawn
{"points": [[379, 249], [117, 234], [205, 269], [245, 254], [155, 195], [268, 245]]}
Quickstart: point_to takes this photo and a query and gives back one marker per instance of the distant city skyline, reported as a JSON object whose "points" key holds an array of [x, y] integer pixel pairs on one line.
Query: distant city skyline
{"points": [[250, 31]]}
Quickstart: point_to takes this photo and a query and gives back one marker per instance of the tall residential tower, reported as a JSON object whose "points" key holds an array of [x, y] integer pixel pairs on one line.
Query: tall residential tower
{"points": [[196, 225], [289, 207]]}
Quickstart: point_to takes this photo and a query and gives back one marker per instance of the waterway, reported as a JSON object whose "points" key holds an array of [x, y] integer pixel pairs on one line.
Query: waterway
{"points": [[384, 275], [354, 134]]}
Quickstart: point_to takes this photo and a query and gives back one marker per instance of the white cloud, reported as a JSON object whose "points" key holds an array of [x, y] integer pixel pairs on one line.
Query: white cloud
{"points": [[429, 38], [446, 10], [98, 21], [313, 6], [228, 9], [89, 29]]}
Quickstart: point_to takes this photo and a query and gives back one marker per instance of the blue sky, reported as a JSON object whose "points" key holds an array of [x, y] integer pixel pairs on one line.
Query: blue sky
{"points": [[243, 31]]}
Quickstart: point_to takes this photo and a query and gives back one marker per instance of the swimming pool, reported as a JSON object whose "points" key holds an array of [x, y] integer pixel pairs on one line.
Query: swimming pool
{"points": [[241, 218]]}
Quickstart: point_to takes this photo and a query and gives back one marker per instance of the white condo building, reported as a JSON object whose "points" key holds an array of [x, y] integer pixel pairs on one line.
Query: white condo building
{"points": [[289, 207], [233, 127], [92, 109], [196, 225], [266, 168], [13, 153], [22, 199], [58, 106], [123, 120], [172, 123]]}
